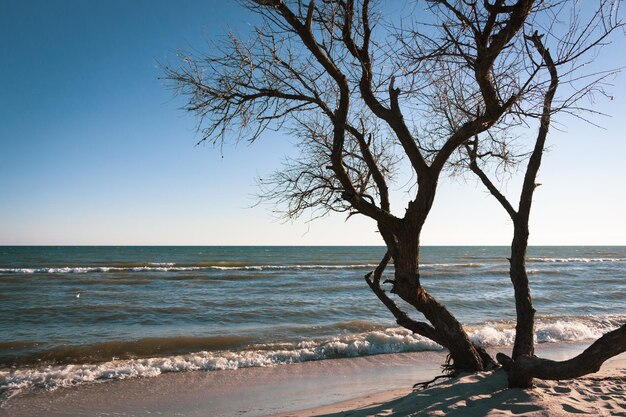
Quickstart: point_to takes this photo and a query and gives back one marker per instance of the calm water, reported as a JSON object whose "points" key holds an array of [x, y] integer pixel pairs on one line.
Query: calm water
{"points": [[75, 314]]}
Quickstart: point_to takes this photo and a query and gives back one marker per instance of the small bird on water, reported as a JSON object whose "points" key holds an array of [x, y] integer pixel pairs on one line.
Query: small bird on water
{"points": [[77, 295]]}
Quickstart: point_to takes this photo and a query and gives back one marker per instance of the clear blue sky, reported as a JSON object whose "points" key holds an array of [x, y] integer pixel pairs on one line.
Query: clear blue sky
{"points": [[94, 149]]}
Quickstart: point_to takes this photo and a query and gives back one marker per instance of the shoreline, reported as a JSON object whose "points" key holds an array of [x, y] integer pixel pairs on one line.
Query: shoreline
{"points": [[246, 392], [300, 389]]}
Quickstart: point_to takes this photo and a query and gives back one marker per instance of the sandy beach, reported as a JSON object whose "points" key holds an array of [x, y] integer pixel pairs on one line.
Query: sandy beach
{"points": [[365, 386], [287, 208], [485, 394]]}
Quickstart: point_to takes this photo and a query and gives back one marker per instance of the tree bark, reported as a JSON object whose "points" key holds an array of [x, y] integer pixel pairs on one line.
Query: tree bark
{"points": [[406, 241], [525, 326], [524, 335]]}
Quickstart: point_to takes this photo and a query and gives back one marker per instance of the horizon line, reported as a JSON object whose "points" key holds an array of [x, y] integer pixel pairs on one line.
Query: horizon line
{"points": [[297, 246]]}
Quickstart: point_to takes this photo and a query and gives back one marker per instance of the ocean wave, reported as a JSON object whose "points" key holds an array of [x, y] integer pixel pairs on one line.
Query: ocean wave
{"points": [[562, 272], [547, 330], [124, 349], [219, 266], [455, 265], [87, 269], [576, 260], [173, 268], [381, 341], [295, 267], [239, 266], [392, 340]]}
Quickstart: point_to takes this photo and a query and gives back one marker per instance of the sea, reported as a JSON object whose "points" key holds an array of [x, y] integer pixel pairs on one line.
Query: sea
{"points": [[80, 315]]}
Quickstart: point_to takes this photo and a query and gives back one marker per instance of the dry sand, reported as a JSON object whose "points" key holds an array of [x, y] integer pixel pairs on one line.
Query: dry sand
{"points": [[485, 394], [311, 386]]}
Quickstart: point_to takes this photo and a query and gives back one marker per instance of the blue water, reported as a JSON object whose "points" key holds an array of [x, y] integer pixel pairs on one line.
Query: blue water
{"points": [[228, 307]]}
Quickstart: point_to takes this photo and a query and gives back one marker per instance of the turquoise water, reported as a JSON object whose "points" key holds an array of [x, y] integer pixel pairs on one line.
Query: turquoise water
{"points": [[133, 311]]}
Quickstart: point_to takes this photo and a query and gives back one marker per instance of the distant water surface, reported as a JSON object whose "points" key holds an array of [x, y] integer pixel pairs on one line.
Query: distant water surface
{"points": [[75, 314]]}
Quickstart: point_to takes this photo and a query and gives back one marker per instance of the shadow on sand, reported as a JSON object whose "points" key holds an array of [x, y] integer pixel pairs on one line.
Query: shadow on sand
{"points": [[467, 395]]}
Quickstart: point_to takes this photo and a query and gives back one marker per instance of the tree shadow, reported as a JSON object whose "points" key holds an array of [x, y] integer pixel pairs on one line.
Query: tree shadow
{"points": [[467, 395]]}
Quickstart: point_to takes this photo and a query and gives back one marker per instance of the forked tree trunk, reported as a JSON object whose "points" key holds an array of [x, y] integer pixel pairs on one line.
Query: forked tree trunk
{"points": [[403, 241], [407, 285]]}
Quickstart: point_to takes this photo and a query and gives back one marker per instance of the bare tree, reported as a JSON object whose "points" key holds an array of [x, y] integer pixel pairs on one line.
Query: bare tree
{"points": [[360, 99], [580, 37]]}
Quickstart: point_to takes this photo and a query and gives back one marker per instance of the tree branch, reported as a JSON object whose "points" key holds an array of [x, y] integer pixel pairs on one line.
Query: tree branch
{"points": [[473, 165], [393, 116], [402, 318]]}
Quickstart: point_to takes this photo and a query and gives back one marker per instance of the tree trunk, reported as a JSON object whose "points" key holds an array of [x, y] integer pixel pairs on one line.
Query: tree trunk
{"points": [[525, 327], [464, 354], [524, 330], [403, 243]]}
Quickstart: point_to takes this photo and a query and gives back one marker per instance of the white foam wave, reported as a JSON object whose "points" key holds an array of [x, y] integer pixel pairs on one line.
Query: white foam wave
{"points": [[279, 267], [166, 267], [492, 335], [391, 340], [547, 330], [86, 269], [576, 260], [170, 266], [454, 265], [565, 330]]}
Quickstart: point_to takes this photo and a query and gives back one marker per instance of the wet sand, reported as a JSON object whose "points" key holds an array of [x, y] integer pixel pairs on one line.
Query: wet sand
{"points": [[249, 392]]}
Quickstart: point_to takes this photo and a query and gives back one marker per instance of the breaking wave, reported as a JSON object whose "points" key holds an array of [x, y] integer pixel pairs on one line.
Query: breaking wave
{"points": [[576, 260], [220, 266], [380, 341], [491, 268], [169, 267]]}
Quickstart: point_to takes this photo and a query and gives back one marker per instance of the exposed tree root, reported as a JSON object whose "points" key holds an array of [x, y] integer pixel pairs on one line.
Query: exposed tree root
{"points": [[423, 385], [524, 368]]}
